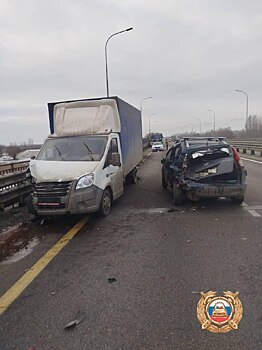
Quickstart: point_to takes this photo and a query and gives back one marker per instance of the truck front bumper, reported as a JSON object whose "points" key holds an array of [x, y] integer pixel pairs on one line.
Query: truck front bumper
{"points": [[86, 200]]}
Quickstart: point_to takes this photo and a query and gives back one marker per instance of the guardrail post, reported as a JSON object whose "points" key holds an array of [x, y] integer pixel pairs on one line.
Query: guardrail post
{"points": [[244, 151], [252, 152]]}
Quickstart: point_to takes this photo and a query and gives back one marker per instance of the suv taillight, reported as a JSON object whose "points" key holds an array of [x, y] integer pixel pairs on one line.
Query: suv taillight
{"points": [[237, 157]]}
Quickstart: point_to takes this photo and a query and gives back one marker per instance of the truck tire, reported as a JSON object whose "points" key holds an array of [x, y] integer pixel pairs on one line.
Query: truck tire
{"points": [[106, 203], [132, 177], [177, 194], [30, 207]]}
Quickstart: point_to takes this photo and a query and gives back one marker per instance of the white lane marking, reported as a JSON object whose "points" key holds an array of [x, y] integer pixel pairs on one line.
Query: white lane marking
{"points": [[244, 204], [253, 213], [252, 160], [255, 207]]}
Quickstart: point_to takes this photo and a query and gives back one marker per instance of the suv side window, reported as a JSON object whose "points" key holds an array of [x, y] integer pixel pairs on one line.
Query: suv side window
{"points": [[168, 155], [177, 152]]}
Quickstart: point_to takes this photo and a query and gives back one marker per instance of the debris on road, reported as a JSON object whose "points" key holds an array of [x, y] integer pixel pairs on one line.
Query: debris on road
{"points": [[189, 240], [111, 280], [243, 238], [80, 316], [172, 209]]}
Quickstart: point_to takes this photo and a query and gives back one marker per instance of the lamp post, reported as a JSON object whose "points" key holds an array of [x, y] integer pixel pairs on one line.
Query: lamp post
{"points": [[122, 31], [149, 128], [141, 106], [199, 124], [210, 110], [243, 92]]}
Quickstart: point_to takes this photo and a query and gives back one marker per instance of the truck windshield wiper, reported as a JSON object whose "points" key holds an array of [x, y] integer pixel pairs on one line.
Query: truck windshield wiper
{"points": [[59, 153], [89, 151]]}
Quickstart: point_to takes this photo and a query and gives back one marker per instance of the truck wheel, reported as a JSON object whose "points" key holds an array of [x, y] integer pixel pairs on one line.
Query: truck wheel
{"points": [[29, 205], [177, 194], [106, 203], [132, 177]]}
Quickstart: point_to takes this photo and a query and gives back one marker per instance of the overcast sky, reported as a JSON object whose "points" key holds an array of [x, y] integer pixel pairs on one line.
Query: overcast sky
{"points": [[188, 55]]}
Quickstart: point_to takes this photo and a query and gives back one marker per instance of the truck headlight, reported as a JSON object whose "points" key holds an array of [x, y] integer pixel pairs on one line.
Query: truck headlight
{"points": [[85, 181]]}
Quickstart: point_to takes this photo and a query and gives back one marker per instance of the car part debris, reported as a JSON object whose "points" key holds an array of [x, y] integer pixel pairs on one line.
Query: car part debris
{"points": [[79, 318], [111, 280], [171, 210]]}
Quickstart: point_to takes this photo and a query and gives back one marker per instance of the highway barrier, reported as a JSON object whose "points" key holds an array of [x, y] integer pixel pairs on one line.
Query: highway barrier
{"points": [[15, 183], [253, 148]]}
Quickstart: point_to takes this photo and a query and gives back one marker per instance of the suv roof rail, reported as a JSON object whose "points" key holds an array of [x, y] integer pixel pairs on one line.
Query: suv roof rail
{"points": [[209, 138], [186, 140]]}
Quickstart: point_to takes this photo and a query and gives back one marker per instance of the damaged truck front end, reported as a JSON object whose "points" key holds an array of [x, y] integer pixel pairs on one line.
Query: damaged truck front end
{"points": [[208, 170]]}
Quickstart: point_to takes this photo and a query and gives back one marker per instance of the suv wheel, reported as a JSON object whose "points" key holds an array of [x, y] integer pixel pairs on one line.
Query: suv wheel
{"points": [[177, 194], [237, 200], [164, 184]]}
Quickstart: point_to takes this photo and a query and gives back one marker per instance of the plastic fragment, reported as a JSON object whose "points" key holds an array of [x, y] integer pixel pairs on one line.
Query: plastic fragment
{"points": [[79, 318]]}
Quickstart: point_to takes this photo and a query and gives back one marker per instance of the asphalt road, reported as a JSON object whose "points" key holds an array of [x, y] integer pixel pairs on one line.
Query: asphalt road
{"points": [[161, 262]]}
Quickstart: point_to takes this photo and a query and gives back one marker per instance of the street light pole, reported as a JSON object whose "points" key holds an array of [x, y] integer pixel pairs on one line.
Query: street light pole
{"points": [[149, 128], [243, 92], [141, 106], [122, 31], [199, 123], [210, 110]]}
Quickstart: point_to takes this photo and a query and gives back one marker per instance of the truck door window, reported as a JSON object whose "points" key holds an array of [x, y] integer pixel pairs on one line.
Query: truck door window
{"points": [[113, 148]]}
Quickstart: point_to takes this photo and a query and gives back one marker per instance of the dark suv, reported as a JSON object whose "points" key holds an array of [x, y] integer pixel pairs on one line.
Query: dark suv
{"points": [[197, 168]]}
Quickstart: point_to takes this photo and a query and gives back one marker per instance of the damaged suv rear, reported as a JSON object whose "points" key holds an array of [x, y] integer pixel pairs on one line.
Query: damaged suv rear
{"points": [[197, 168]]}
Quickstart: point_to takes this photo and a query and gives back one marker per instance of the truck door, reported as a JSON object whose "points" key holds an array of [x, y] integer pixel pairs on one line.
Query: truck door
{"points": [[115, 173]]}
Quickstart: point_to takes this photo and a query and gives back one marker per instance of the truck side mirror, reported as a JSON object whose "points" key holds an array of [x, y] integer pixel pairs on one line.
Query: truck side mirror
{"points": [[115, 159]]}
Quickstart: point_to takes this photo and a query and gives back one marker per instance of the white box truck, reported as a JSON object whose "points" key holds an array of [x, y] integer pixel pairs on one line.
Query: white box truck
{"points": [[93, 147]]}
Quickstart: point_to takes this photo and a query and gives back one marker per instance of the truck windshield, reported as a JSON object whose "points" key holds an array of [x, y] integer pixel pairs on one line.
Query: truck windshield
{"points": [[76, 148]]}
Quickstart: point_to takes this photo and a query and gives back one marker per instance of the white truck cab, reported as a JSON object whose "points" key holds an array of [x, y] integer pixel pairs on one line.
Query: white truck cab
{"points": [[82, 165]]}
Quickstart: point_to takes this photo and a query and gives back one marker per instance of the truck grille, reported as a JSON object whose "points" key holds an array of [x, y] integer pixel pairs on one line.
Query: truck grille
{"points": [[52, 194]]}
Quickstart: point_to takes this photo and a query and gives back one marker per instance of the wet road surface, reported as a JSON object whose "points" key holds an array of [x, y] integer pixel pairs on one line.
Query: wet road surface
{"points": [[157, 262]]}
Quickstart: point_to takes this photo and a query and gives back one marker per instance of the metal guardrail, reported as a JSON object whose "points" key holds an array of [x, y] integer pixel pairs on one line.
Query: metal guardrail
{"points": [[253, 147], [15, 183]]}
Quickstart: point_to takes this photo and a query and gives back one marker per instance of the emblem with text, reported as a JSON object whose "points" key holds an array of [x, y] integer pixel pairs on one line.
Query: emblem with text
{"points": [[219, 314]]}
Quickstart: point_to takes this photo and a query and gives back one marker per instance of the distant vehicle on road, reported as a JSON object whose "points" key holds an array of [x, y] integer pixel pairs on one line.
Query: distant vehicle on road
{"points": [[157, 146], [27, 154], [197, 168], [6, 159], [157, 136]]}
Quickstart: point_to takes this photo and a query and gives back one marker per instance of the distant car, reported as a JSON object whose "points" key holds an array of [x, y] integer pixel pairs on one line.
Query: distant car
{"points": [[27, 154], [197, 168], [157, 146], [6, 158]]}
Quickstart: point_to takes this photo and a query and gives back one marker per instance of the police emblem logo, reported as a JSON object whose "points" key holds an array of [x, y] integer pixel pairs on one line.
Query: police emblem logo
{"points": [[219, 314]]}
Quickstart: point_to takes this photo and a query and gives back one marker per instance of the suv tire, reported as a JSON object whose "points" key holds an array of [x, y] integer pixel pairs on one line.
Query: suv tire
{"points": [[177, 194], [237, 200]]}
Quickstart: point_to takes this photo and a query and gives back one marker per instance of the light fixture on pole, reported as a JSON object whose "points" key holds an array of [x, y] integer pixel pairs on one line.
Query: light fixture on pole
{"points": [[122, 31], [243, 92], [210, 110], [199, 124]]}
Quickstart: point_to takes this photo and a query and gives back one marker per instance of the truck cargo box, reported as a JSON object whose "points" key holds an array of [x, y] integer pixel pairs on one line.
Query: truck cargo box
{"points": [[101, 116]]}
